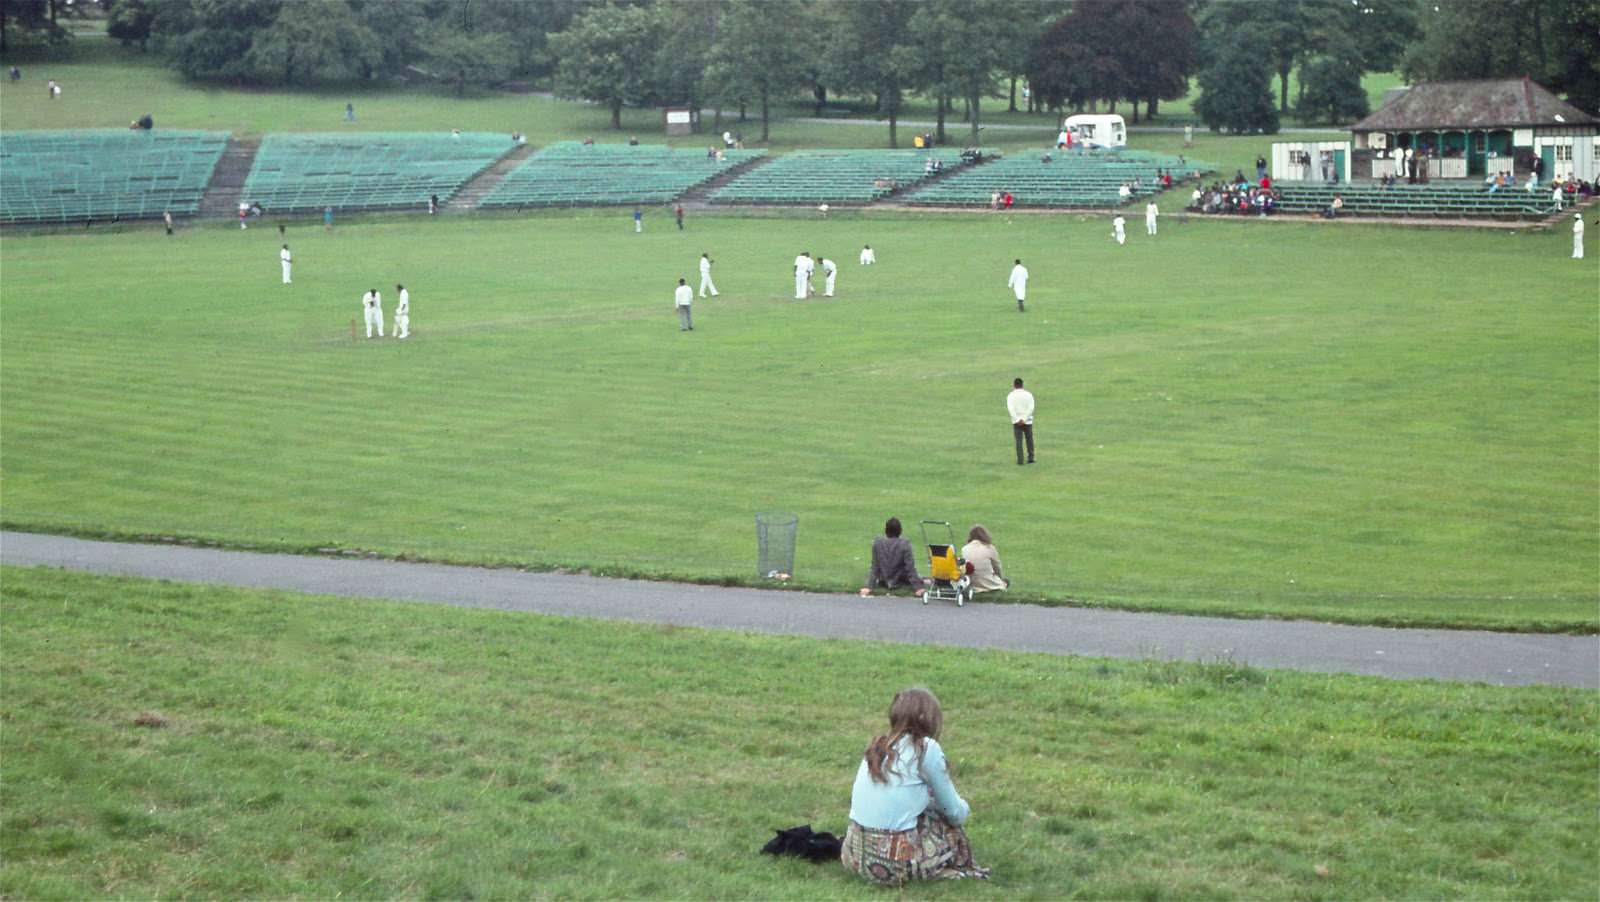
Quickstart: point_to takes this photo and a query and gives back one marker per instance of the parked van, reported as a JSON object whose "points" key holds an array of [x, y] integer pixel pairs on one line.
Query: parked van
{"points": [[1095, 130]]}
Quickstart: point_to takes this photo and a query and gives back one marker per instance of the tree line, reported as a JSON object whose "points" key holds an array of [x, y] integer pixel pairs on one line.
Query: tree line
{"points": [[744, 56]]}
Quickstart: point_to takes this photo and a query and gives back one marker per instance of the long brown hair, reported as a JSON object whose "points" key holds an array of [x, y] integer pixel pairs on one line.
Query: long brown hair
{"points": [[914, 713], [979, 534]]}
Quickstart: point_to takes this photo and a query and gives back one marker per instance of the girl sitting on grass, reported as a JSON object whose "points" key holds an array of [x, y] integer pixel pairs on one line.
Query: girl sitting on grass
{"points": [[905, 814]]}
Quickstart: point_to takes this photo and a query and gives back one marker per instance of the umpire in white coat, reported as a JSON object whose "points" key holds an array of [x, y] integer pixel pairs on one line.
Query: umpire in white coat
{"points": [[1019, 283]]}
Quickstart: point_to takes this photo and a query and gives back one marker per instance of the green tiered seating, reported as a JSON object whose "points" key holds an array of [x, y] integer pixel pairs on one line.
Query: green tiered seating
{"points": [[73, 176], [1449, 199], [832, 176], [571, 174], [367, 171], [1070, 179]]}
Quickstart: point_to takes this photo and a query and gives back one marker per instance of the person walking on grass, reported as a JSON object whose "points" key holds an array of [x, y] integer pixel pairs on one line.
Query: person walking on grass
{"points": [[1019, 404], [682, 299], [705, 275], [288, 263], [166, 218], [372, 308], [402, 312], [677, 214], [1577, 236], [1119, 229], [1019, 283], [327, 218], [905, 814], [1150, 214], [638, 220]]}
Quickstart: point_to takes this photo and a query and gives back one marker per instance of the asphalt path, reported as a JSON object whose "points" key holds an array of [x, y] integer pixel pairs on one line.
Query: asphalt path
{"points": [[1475, 656]]}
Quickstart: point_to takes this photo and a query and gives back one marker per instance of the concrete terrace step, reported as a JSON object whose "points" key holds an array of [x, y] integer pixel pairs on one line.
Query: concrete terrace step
{"points": [[478, 188], [700, 195], [226, 187]]}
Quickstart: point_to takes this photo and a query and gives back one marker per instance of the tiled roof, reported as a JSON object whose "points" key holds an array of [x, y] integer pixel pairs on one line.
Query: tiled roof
{"points": [[1499, 103]]}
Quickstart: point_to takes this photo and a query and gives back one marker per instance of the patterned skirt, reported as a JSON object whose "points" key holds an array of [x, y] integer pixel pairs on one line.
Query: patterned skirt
{"points": [[934, 849]]}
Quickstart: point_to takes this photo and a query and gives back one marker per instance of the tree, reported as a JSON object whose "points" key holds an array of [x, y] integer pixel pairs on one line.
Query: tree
{"points": [[478, 58], [869, 50], [757, 54], [1332, 86], [1552, 41], [607, 56], [1156, 50], [1284, 29], [130, 22], [210, 39], [1236, 90], [29, 20], [308, 43]]}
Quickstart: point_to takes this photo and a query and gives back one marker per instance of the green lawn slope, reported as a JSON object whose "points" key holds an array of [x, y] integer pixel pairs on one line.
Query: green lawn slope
{"points": [[1376, 425], [165, 740]]}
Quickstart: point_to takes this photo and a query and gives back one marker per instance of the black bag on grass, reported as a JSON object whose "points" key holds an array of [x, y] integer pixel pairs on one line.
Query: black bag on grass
{"points": [[802, 843]]}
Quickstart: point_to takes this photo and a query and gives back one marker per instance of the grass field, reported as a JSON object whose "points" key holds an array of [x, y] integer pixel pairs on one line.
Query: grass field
{"points": [[1359, 424], [323, 748]]}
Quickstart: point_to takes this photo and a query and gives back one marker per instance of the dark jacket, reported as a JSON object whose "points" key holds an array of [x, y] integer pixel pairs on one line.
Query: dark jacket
{"points": [[892, 564]]}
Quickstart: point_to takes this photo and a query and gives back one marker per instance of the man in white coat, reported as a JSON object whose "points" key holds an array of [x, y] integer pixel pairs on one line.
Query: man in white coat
{"points": [[682, 299], [802, 275], [372, 307], [1150, 214], [402, 313], [1119, 229], [868, 257], [705, 275], [1577, 236], [1019, 283], [286, 260], [829, 271]]}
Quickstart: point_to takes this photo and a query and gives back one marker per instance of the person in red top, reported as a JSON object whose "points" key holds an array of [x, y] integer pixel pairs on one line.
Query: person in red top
{"points": [[1266, 182], [1006, 200]]}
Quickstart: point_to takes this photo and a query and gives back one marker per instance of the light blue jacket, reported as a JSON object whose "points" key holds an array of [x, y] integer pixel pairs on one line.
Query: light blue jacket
{"points": [[895, 805]]}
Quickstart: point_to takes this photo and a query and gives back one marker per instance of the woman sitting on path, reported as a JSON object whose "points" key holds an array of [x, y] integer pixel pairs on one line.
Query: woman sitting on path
{"points": [[981, 556], [905, 814]]}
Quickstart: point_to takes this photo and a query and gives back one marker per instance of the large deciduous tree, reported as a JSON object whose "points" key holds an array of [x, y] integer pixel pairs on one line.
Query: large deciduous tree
{"points": [[1331, 83], [1236, 90], [1282, 31], [759, 54], [870, 50], [608, 56], [309, 42], [1556, 42]]}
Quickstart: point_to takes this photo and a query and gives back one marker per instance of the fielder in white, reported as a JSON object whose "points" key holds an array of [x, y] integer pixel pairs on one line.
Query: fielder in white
{"points": [[829, 271], [402, 313], [372, 307], [286, 260], [868, 257], [811, 270], [705, 275], [802, 275], [1119, 229], [1150, 214], [1019, 283], [1577, 236]]}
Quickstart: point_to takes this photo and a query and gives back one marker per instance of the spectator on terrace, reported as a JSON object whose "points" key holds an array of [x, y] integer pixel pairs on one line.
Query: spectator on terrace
{"points": [[994, 200], [727, 139], [1046, 158], [981, 556], [455, 133], [1124, 192], [16, 74], [350, 112], [1532, 185], [1261, 167], [1238, 177], [633, 140], [905, 814], [1006, 200], [1556, 196], [719, 155], [1166, 179], [1332, 212], [893, 566], [1196, 199]]}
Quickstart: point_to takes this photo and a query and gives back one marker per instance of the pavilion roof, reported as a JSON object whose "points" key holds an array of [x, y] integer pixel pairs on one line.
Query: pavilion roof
{"points": [[1492, 103]]}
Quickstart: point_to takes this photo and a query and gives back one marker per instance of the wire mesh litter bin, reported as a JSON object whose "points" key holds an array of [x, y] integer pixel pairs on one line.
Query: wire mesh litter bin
{"points": [[775, 535]]}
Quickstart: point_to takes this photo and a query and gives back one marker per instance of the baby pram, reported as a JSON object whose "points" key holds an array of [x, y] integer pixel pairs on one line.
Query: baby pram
{"points": [[950, 573]]}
